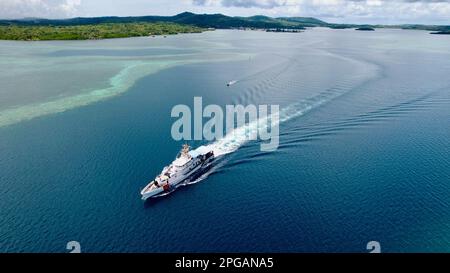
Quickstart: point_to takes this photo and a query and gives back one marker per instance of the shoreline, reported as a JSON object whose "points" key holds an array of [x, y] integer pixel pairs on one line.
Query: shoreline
{"points": [[102, 39], [94, 31], [106, 27], [165, 35]]}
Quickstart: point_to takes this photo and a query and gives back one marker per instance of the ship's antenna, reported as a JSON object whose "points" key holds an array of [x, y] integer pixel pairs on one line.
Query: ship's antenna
{"points": [[186, 148]]}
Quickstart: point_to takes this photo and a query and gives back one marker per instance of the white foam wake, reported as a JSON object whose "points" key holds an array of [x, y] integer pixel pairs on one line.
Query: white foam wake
{"points": [[240, 136]]}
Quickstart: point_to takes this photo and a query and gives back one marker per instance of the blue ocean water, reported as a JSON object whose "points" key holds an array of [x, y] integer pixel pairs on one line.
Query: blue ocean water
{"points": [[364, 147]]}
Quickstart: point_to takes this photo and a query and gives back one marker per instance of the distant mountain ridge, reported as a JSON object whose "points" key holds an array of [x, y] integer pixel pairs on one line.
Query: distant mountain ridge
{"points": [[211, 21], [306, 21], [200, 20]]}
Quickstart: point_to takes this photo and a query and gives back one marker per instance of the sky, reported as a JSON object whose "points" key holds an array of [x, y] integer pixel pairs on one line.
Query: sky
{"points": [[333, 11]]}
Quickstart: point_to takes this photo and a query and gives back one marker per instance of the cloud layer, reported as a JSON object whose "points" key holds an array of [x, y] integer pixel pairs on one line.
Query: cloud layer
{"points": [[38, 8], [270, 4], [339, 11], [358, 11]]}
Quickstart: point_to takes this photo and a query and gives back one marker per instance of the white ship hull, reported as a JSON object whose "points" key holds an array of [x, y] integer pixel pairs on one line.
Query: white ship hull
{"points": [[174, 175], [172, 184]]}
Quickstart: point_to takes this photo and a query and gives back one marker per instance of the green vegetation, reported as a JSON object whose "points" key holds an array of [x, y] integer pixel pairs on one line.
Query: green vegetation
{"points": [[185, 18], [423, 27], [338, 26], [445, 32], [118, 27], [365, 29], [303, 21], [91, 31], [283, 30]]}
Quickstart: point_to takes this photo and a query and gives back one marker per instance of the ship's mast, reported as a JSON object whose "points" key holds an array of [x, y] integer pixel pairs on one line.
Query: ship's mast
{"points": [[185, 150]]}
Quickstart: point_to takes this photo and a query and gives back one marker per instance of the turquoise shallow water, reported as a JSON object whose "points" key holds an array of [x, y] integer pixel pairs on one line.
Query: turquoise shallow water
{"points": [[364, 145]]}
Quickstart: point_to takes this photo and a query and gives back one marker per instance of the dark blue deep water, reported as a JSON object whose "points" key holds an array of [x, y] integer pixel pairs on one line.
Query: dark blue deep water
{"points": [[364, 153]]}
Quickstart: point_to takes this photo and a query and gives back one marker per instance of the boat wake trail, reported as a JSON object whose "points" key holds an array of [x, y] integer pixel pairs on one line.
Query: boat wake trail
{"points": [[384, 114], [242, 135], [237, 138], [232, 141]]}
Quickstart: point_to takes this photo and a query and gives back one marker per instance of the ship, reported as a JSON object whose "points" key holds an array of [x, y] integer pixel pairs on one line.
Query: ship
{"points": [[188, 165], [231, 83]]}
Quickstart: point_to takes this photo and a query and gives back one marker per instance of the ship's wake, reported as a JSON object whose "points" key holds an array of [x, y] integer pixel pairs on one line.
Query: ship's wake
{"points": [[232, 141], [240, 136]]}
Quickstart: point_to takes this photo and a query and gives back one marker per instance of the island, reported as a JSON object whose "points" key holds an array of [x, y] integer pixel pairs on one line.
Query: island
{"points": [[365, 29], [444, 32], [284, 30], [85, 28], [92, 31], [335, 26]]}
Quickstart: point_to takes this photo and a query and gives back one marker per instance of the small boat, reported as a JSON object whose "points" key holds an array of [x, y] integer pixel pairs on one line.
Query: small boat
{"points": [[231, 83], [188, 165]]}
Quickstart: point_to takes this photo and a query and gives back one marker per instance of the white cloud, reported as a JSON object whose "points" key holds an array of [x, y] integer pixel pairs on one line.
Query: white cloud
{"points": [[70, 6], [38, 8], [340, 11], [356, 11]]}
